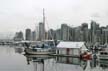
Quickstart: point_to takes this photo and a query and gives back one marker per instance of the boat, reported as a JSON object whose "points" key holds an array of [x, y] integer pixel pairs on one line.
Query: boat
{"points": [[42, 49], [103, 54]]}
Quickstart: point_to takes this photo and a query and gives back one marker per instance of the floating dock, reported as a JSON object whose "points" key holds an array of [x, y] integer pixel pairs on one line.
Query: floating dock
{"points": [[61, 55]]}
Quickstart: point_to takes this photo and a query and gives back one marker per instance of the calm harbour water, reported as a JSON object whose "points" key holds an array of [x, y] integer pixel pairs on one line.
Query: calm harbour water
{"points": [[12, 59]]}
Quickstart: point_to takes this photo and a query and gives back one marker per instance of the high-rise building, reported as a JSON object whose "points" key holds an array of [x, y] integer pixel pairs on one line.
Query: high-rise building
{"points": [[41, 31], [64, 32], [37, 32], [33, 36], [104, 38], [28, 34], [58, 34], [85, 32], [78, 34], [72, 34], [18, 36], [98, 34], [94, 27]]}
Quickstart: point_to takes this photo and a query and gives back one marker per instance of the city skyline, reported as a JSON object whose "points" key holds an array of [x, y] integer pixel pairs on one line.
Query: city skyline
{"points": [[92, 35], [12, 34]]}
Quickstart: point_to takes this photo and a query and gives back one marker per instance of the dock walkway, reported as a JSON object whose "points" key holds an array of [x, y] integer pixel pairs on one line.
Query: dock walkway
{"points": [[61, 55]]}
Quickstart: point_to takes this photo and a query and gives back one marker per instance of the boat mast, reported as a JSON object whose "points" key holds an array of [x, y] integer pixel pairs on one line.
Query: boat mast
{"points": [[43, 24], [44, 18]]}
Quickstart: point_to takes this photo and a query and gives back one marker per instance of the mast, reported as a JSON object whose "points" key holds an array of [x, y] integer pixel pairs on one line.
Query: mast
{"points": [[43, 24], [44, 27]]}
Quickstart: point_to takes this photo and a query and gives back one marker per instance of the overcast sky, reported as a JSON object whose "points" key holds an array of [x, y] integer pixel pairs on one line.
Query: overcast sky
{"points": [[16, 15]]}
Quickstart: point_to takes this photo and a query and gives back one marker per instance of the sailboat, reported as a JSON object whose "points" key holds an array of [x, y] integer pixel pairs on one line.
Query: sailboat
{"points": [[41, 48]]}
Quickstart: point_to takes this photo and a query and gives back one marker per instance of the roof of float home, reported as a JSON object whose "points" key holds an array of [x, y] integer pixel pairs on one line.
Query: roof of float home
{"points": [[68, 44]]}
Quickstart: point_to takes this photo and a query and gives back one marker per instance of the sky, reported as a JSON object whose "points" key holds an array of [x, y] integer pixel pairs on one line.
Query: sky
{"points": [[17, 15]]}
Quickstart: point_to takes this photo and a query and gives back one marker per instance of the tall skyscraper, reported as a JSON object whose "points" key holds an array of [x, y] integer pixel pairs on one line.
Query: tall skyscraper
{"points": [[85, 32], [41, 31], [65, 32], [18, 36], [94, 27], [28, 34], [104, 37], [33, 36], [58, 34], [71, 34], [37, 32], [78, 34]]}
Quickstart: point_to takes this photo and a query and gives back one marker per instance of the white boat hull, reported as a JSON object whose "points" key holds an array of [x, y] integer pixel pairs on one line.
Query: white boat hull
{"points": [[44, 52], [103, 54]]}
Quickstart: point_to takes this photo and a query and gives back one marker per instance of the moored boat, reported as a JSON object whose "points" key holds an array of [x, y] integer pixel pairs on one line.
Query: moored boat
{"points": [[45, 47], [38, 51], [103, 54]]}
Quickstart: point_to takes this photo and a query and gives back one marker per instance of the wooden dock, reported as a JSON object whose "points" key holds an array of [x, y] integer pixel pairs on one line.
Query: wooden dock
{"points": [[61, 55]]}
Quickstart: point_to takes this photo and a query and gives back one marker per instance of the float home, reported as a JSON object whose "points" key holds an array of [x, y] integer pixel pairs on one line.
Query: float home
{"points": [[71, 48]]}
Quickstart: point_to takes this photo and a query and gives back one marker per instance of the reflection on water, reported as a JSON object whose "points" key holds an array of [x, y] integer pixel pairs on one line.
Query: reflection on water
{"points": [[46, 63], [19, 50], [104, 64], [12, 59]]}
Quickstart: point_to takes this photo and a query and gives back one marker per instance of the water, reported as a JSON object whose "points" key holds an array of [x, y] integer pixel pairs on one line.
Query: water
{"points": [[12, 59]]}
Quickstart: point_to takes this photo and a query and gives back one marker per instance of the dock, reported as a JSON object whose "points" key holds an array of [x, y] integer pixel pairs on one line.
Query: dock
{"points": [[55, 55], [61, 55]]}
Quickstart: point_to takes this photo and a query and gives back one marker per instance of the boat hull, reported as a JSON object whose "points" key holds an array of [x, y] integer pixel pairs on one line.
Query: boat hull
{"points": [[32, 52], [103, 54]]}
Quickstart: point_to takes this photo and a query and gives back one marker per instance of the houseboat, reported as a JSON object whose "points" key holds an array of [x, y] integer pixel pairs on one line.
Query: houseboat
{"points": [[68, 48]]}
